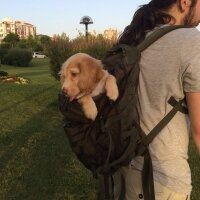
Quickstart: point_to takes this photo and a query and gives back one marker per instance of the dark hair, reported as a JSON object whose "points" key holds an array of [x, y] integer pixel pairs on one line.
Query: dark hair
{"points": [[146, 18]]}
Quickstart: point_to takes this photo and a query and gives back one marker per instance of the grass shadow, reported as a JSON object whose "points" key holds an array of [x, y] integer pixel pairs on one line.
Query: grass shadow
{"points": [[37, 162], [28, 98]]}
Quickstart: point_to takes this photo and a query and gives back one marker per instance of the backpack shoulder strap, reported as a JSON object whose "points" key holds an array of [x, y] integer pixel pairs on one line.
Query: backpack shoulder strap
{"points": [[156, 35]]}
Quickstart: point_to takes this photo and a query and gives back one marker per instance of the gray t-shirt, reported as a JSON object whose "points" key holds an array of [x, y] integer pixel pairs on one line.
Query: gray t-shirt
{"points": [[169, 67]]}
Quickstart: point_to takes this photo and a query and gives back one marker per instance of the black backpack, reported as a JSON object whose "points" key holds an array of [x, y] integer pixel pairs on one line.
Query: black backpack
{"points": [[115, 137]]}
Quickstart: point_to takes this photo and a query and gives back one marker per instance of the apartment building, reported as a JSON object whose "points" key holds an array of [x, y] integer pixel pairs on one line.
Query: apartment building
{"points": [[23, 29]]}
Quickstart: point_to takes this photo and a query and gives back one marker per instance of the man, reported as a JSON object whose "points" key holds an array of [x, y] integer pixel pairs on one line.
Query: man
{"points": [[169, 67]]}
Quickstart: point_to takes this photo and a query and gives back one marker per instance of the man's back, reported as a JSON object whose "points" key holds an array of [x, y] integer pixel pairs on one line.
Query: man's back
{"points": [[169, 67]]}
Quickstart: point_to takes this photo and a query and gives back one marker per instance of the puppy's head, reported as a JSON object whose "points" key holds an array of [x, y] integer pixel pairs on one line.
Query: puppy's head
{"points": [[80, 74]]}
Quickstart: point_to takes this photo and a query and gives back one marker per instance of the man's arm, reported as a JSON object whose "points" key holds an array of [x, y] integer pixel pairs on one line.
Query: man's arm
{"points": [[193, 102]]}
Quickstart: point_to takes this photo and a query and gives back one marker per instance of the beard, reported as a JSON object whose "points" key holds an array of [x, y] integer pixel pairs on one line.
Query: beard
{"points": [[189, 19]]}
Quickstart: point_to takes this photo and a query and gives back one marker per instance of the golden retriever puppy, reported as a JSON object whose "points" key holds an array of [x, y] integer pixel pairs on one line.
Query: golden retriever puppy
{"points": [[83, 77]]}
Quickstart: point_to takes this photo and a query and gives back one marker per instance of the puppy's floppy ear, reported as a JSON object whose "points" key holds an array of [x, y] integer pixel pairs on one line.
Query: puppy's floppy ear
{"points": [[99, 72], [91, 74]]}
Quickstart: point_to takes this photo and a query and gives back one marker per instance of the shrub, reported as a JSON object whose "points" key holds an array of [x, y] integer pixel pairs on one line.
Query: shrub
{"points": [[3, 52], [5, 45], [18, 57], [3, 73], [58, 51], [62, 48], [22, 44]]}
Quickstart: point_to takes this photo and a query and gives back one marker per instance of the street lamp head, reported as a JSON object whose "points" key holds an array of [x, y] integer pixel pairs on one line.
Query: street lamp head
{"points": [[86, 20]]}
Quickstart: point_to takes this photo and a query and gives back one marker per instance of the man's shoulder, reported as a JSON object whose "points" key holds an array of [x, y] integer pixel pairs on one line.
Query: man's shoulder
{"points": [[181, 33], [184, 38], [186, 32]]}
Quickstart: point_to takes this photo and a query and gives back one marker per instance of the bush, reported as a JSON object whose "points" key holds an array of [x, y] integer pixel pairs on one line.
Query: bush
{"points": [[3, 73], [62, 48], [5, 45], [58, 52], [17, 57], [3, 52]]}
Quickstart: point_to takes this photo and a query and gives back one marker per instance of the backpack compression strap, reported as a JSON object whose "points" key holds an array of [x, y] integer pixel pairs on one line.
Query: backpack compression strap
{"points": [[177, 106]]}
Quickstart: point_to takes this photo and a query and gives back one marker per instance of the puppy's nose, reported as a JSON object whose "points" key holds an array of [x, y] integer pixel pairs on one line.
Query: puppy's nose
{"points": [[65, 91]]}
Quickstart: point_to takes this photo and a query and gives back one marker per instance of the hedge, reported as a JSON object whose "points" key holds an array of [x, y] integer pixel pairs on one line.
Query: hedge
{"points": [[62, 48], [17, 57]]}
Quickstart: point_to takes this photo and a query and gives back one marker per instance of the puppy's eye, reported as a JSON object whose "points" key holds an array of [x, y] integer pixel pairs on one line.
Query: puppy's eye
{"points": [[73, 74]]}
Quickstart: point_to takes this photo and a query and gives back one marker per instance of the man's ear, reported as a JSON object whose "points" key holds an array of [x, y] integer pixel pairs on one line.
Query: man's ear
{"points": [[184, 5]]}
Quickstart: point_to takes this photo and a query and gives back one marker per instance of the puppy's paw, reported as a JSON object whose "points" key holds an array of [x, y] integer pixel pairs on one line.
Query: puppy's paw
{"points": [[113, 93], [90, 112], [88, 106]]}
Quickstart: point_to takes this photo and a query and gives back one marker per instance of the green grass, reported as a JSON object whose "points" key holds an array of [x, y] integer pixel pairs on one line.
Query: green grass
{"points": [[36, 161], [194, 161]]}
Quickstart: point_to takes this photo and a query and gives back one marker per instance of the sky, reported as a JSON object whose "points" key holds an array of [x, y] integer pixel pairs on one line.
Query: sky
{"points": [[63, 16]]}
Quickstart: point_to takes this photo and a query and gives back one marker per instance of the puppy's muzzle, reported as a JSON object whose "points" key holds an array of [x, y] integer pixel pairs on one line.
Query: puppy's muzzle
{"points": [[65, 91]]}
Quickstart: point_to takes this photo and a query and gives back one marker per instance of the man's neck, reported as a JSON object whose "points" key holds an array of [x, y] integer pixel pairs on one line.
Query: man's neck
{"points": [[177, 14]]}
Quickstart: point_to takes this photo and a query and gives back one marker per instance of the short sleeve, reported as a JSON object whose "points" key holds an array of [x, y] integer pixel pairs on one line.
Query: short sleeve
{"points": [[190, 56]]}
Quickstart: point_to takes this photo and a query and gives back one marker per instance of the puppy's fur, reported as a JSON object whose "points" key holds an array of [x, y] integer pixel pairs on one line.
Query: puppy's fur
{"points": [[83, 77]]}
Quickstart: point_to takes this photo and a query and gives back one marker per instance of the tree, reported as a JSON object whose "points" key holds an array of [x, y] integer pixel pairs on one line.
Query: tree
{"points": [[31, 41], [22, 44], [64, 36], [45, 40], [37, 47], [12, 39]]}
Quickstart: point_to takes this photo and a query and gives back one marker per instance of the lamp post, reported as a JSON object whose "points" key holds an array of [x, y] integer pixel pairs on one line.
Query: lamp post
{"points": [[86, 20]]}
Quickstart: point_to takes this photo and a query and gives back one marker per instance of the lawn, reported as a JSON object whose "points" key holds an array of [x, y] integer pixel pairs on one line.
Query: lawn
{"points": [[36, 162]]}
